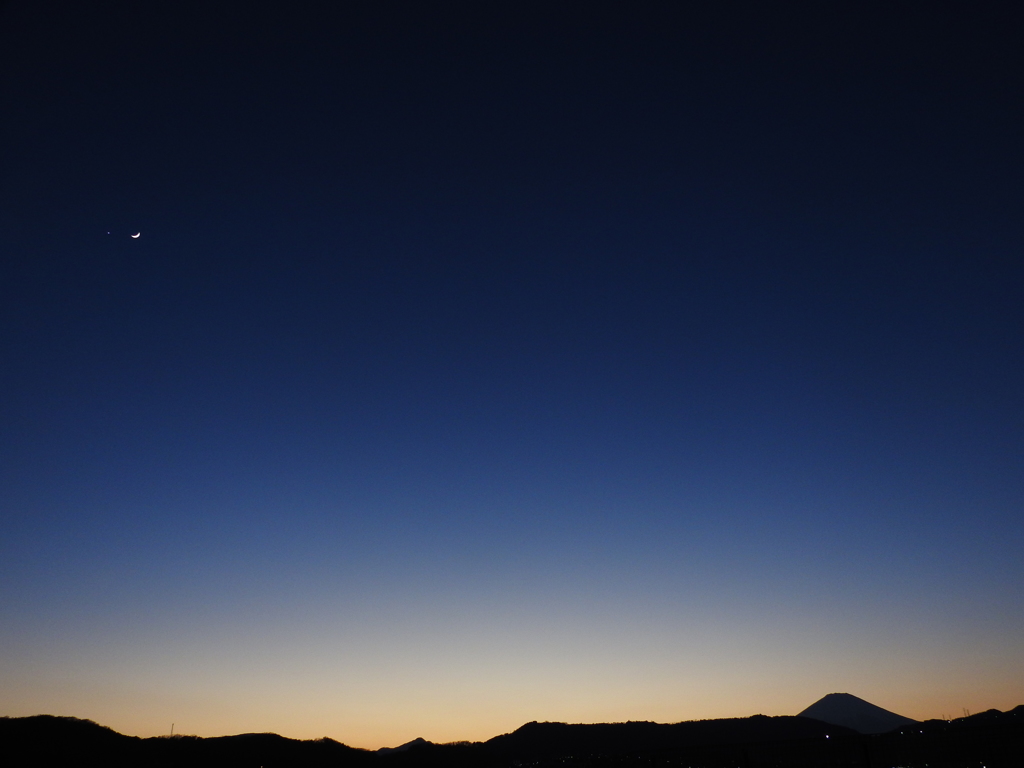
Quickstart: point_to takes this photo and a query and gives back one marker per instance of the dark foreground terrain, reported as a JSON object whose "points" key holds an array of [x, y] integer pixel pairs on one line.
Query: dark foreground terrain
{"points": [[992, 739]]}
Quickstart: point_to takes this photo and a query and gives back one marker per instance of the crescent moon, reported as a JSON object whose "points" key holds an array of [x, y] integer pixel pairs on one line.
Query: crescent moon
{"points": [[136, 236]]}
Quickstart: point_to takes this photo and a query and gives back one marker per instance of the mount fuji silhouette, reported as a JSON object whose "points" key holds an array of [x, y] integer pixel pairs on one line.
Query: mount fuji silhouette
{"points": [[850, 712]]}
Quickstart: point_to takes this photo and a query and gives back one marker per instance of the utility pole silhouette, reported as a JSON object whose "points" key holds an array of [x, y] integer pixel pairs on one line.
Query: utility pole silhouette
{"points": [[867, 752]]}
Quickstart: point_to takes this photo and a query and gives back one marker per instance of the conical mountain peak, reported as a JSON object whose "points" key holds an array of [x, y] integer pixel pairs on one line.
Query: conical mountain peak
{"points": [[852, 712]]}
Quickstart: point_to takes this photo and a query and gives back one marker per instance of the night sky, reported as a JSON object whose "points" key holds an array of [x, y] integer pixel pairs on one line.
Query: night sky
{"points": [[493, 362]]}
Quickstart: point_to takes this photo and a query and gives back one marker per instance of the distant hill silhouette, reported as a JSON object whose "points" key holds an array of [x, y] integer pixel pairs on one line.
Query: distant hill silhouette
{"points": [[993, 739], [851, 712], [535, 740], [45, 740], [404, 747]]}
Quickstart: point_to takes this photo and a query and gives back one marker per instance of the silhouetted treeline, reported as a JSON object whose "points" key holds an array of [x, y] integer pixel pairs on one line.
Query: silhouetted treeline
{"points": [[993, 739]]}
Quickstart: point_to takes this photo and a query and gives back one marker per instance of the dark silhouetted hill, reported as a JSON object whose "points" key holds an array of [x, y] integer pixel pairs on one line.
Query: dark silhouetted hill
{"points": [[250, 750], [536, 740], [847, 710], [994, 739], [45, 740], [404, 747]]}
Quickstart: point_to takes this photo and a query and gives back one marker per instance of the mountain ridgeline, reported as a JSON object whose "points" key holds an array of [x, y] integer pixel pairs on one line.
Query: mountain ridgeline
{"points": [[849, 711], [994, 739]]}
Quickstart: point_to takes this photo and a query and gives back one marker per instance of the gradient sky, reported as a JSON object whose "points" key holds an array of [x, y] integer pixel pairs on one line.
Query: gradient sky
{"points": [[493, 362]]}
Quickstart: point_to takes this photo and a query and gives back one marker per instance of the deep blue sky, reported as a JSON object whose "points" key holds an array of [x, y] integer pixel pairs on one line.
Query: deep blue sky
{"points": [[483, 363]]}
